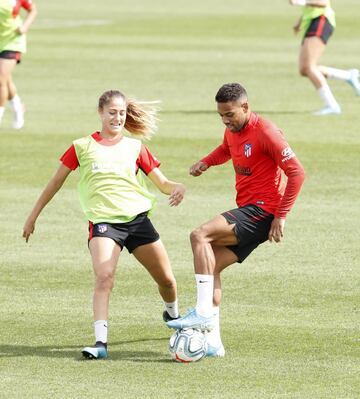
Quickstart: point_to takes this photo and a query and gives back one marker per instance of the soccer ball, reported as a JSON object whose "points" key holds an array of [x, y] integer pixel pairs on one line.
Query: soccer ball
{"points": [[187, 345]]}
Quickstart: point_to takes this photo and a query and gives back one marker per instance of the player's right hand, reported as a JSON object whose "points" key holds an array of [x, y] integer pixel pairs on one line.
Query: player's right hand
{"points": [[198, 168], [296, 28], [28, 229]]}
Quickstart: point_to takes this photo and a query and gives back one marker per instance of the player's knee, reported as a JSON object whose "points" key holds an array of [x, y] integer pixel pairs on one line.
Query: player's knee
{"points": [[169, 283], [105, 281], [3, 80], [304, 69], [197, 236]]}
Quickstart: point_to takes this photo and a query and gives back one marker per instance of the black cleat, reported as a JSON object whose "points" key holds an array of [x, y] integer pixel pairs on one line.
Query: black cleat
{"points": [[167, 317]]}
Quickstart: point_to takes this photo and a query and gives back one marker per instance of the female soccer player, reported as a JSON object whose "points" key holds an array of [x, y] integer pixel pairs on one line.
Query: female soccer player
{"points": [[116, 202], [12, 45], [316, 24]]}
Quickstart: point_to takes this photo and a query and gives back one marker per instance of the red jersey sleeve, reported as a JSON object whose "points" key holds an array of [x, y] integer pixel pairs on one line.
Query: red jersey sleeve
{"points": [[279, 150], [27, 4], [146, 161], [69, 158], [220, 155]]}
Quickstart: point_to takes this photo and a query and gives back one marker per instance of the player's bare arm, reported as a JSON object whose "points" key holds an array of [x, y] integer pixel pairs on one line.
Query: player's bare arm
{"points": [[28, 20], [50, 190], [198, 168], [176, 191]]}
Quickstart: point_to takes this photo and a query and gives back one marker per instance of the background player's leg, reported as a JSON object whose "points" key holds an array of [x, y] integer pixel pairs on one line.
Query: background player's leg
{"points": [[310, 53], [16, 104], [6, 68]]}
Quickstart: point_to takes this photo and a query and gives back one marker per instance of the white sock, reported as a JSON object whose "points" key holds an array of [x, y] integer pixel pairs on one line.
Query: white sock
{"points": [[205, 292], [327, 96], [341, 74], [16, 104], [101, 330], [2, 110], [172, 308], [213, 337]]}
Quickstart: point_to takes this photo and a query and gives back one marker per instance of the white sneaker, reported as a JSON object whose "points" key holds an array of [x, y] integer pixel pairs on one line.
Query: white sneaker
{"points": [[18, 119], [328, 111], [354, 81]]}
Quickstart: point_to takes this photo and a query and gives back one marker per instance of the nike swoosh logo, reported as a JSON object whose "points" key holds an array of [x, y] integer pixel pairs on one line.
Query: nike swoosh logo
{"points": [[200, 281]]}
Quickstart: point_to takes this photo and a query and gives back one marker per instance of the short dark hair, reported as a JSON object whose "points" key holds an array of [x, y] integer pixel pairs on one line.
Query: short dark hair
{"points": [[231, 92]]}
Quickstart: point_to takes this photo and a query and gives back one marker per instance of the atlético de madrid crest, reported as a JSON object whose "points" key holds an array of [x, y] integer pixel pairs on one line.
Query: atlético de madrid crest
{"points": [[247, 150], [102, 228]]}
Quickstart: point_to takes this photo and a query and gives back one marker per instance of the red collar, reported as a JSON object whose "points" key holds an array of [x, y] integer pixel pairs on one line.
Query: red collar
{"points": [[101, 140], [250, 123]]}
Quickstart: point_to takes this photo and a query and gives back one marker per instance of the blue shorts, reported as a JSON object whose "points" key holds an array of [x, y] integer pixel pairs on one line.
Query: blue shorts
{"points": [[252, 226], [131, 235]]}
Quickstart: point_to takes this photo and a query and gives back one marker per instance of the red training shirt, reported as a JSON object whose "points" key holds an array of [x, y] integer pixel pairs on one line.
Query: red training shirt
{"points": [[145, 161], [259, 152], [18, 4]]}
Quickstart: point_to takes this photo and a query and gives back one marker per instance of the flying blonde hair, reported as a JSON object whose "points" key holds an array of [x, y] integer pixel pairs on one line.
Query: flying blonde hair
{"points": [[141, 116]]}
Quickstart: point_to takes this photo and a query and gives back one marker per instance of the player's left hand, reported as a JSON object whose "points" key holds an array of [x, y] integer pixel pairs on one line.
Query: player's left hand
{"points": [[20, 30], [296, 28], [276, 232], [177, 194]]}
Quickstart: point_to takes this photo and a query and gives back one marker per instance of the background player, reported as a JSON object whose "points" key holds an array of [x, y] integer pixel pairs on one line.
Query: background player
{"points": [[12, 45], [317, 24], [259, 152], [116, 202]]}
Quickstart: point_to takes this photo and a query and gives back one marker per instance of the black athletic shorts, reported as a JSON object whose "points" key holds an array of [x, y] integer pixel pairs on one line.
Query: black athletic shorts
{"points": [[320, 27], [252, 226], [11, 55], [131, 235]]}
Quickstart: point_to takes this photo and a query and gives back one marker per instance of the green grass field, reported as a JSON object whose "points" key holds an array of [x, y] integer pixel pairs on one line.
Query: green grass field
{"points": [[290, 313]]}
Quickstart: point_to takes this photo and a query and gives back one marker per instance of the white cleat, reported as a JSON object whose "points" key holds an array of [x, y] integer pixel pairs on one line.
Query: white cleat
{"points": [[354, 81], [215, 351], [18, 119], [328, 111], [192, 320]]}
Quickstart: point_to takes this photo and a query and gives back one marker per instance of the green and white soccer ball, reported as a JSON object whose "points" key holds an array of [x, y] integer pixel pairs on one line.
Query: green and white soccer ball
{"points": [[187, 345]]}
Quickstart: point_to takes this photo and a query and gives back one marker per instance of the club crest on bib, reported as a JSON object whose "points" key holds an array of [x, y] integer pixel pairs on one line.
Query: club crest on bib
{"points": [[247, 150], [101, 228]]}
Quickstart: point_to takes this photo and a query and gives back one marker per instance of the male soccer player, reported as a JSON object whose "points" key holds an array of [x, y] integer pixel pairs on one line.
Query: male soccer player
{"points": [[259, 153]]}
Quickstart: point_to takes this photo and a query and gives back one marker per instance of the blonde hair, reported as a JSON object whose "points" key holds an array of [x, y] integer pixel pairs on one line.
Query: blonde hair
{"points": [[141, 119]]}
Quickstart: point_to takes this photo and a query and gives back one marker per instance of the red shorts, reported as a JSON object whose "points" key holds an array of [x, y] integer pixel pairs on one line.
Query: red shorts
{"points": [[11, 55], [320, 27]]}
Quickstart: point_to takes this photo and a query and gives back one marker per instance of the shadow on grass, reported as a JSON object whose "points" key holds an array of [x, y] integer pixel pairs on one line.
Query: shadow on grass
{"points": [[74, 351]]}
